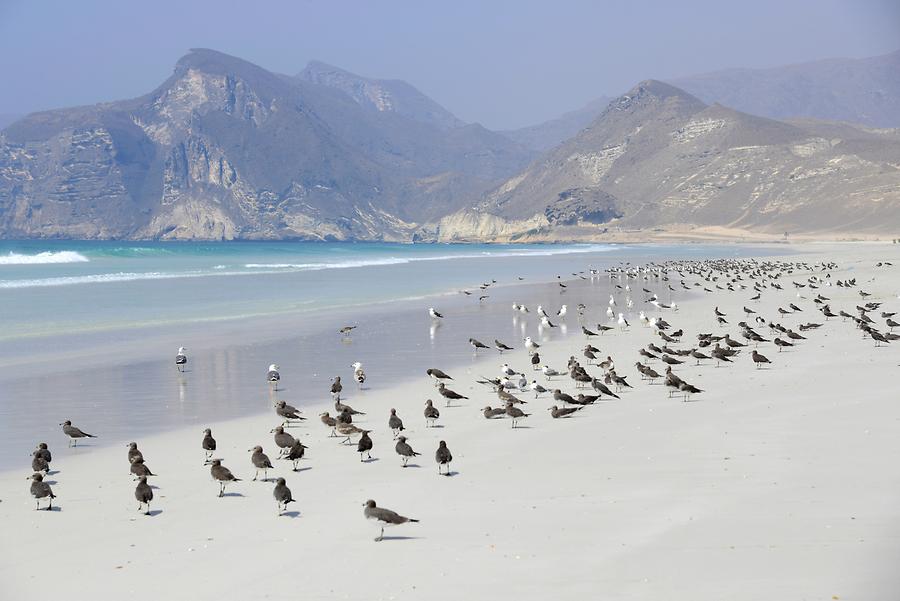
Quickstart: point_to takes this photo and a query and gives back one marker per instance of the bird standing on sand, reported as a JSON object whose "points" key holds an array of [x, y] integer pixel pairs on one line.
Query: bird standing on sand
{"points": [[283, 440], [531, 346], [180, 359], [431, 413], [139, 469], [384, 517], [144, 494], [515, 413], [395, 423], [295, 454], [328, 421], [443, 457], [502, 347], [41, 490], [74, 433], [38, 463], [208, 444], [133, 452], [434, 314], [364, 445], [282, 495], [358, 374], [346, 330], [404, 450], [288, 412], [759, 359], [222, 475], [477, 344], [261, 462], [44, 452], [448, 394], [336, 388]]}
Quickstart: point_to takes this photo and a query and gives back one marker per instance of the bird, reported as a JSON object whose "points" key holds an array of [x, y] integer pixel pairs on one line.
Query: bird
{"points": [[395, 423], [345, 331], [434, 314], [437, 375], [431, 413], [329, 422], [556, 412], [336, 388], [38, 463], [364, 445], [288, 412], [133, 452], [261, 462], [180, 359], [222, 475], [588, 333], [502, 347], [404, 450], [623, 323], [347, 431], [41, 490], [282, 495], [358, 374], [490, 413], [562, 397], [273, 376], [208, 444], [443, 457], [781, 344], [515, 413], [139, 469], [759, 359], [562, 311], [530, 345], [448, 394], [283, 440], [74, 433], [44, 452], [295, 453], [144, 494], [549, 372], [384, 517], [537, 388], [477, 344]]}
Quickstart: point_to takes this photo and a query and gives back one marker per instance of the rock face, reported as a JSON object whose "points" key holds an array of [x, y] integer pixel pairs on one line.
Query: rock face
{"points": [[658, 156], [865, 91], [224, 149]]}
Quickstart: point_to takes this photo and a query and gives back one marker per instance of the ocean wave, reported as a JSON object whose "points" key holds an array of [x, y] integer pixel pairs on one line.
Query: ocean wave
{"points": [[63, 256]]}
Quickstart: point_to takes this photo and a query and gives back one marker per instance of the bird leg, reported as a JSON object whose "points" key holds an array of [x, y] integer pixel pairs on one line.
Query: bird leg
{"points": [[380, 537]]}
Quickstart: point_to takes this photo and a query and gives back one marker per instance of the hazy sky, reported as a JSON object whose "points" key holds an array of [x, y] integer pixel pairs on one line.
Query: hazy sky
{"points": [[501, 63]]}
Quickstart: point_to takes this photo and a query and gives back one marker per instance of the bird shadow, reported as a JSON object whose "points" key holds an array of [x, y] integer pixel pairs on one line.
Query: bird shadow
{"points": [[290, 514], [450, 474], [301, 469], [51, 482], [154, 487], [54, 508], [52, 472], [233, 494], [436, 426], [154, 512], [412, 465], [386, 538], [371, 460], [521, 428]]}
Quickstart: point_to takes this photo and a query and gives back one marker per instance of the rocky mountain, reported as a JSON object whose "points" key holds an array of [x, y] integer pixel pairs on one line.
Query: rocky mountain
{"points": [[382, 95], [7, 118], [224, 149], [548, 134], [660, 157], [865, 91]]}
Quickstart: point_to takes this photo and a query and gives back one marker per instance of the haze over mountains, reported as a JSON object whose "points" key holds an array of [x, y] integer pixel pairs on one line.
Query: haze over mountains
{"points": [[224, 149]]}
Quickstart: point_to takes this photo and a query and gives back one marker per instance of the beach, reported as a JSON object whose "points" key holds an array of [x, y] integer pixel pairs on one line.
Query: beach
{"points": [[771, 483]]}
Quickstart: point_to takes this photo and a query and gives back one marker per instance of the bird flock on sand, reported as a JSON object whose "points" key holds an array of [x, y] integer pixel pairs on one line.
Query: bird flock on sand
{"points": [[640, 299]]}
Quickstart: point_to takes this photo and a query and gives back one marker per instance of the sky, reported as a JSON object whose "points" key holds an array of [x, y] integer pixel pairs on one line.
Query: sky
{"points": [[504, 64]]}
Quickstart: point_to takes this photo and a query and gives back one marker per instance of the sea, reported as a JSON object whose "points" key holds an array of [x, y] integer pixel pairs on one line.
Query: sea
{"points": [[89, 330]]}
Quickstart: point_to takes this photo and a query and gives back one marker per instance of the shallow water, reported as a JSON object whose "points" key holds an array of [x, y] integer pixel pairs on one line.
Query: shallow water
{"points": [[101, 353]]}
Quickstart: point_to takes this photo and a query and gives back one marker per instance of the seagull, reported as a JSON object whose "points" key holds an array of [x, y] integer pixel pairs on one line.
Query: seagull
{"points": [[261, 462], [180, 359], [74, 433], [384, 517], [345, 331], [562, 311], [623, 323], [336, 388], [358, 374], [288, 412], [537, 388], [443, 457], [144, 494], [222, 474], [549, 372], [41, 490], [492, 413], [282, 495], [296, 453], [364, 445], [556, 412], [272, 376], [530, 345], [448, 394], [431, 413], [395, 423], [437, 375], [515, 413], [404, 450], [434, 314], [477, 344], [759, 359], [209, 445], [501, 347]]}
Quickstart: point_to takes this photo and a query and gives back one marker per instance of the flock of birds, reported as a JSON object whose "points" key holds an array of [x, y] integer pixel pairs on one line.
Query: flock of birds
{"points": [[594, 378]]}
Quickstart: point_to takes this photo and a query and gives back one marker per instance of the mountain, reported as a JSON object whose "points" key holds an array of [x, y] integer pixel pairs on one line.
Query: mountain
{"points": [[382, 95], [225, 149], [7, 118], [548, 134], [660, 157], [865, 91]]}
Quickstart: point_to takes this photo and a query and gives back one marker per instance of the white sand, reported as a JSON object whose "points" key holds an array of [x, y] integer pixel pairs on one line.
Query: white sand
{"points": [[775, 484]]}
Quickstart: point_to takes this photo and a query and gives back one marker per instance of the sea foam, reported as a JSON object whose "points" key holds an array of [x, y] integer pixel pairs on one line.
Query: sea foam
{"points": [[63, 256]]}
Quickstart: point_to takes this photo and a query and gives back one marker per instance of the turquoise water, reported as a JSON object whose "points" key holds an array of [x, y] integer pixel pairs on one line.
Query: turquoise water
{"points": [[70, 287]]}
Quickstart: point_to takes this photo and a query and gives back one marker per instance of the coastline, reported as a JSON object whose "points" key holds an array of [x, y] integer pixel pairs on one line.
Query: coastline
{"points": [[768, 472]]}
